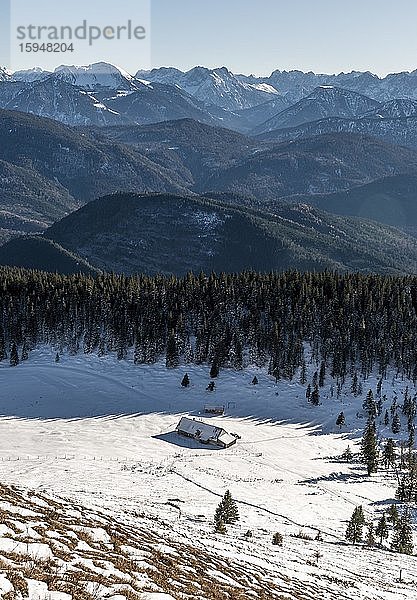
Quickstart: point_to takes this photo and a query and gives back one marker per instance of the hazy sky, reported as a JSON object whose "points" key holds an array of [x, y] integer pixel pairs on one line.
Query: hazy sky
{"points": [[251, 36], [261, 35]]}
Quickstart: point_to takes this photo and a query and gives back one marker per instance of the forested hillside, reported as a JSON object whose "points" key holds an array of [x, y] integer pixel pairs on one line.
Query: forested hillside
{"points": [[352, 322]]}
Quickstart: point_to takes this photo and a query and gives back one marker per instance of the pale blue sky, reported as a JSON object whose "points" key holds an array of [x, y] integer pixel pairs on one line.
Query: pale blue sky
{"points": [[261, 35], [250, 36]]}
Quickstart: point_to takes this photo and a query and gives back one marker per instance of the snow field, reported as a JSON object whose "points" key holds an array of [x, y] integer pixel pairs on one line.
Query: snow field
{"points": [[101, 433]]}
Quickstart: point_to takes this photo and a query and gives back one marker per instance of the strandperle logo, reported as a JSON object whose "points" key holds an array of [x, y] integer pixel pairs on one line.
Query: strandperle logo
{"points": [[47, 34], [84, 31]]}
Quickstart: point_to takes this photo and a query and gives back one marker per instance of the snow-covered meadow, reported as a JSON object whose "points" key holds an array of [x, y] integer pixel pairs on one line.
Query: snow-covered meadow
{"points": [[101, 433]]}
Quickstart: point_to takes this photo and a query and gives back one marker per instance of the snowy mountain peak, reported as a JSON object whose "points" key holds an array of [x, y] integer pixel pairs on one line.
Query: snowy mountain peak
{"points": [[218, 87], [223, 71], [5, 75], [101, 74], [30, 75]]}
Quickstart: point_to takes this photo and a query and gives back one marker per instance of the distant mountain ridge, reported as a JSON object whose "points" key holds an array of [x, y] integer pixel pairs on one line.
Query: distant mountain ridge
{"points": [[395, 130], [49, 169], [109, 132], [297, 84], [214, 86], [314, 165], [104, 94], [160, 233], [390, 200], [55, 97], [325, 101]]}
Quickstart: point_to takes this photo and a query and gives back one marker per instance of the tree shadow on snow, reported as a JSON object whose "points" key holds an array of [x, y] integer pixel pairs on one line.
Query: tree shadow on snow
{"points": [[359, 477], [70, 391], [385, 504]]}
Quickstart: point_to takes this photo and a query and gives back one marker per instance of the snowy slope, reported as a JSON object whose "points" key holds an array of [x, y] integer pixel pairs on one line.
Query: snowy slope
{"points": [[102, 434]]}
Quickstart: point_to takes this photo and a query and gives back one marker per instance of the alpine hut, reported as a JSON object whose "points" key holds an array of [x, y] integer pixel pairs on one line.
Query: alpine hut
{"points": [[205, 433]]}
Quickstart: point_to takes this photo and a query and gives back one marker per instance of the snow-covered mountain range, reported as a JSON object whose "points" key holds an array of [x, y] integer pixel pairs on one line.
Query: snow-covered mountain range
{"points": [[214, 86], [297, 84], [104, 98], [104, 94], [325, 101]]}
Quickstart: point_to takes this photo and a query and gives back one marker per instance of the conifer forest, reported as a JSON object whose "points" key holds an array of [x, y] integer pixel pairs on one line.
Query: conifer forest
{"points": [[353, 323]]}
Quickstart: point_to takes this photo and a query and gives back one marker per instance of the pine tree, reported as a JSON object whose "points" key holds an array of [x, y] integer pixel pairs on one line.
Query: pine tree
{"points": [[211, 386], [57, 358], [277, 539], [101, 351], [341, 420], [369, 448], [396, 424], [407, 488], [185, 381], [172, 357], [188, 352], [389, 454], [370, 536], [255, 381], [14, 357], [276, 373], [308, 392], [411, 439], [322, 374], [3, 354], [219, 526], [227, 510], [392, 515], [382, 529], [25, 352], [354, 386], [121, 349], [401, 491], [386, 419], [354, 531], [303, 373], [369, 405], [214, 371], [347, 454], [236, 354], [402, 540], [315, 396]]}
